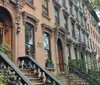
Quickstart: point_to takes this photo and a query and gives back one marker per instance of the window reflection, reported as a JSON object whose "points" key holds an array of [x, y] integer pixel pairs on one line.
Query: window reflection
{"points": [[29, 45], [30, 1], [47, 44]]}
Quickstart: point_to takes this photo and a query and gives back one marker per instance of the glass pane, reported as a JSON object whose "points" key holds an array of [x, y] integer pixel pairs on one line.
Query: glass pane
{"points": [[46, 44], [46, 41], [30, 1], [44, 2], [29, 39]]}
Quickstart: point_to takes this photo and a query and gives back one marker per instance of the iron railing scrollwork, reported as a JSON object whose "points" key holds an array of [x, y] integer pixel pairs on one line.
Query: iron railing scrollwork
{"points": [[27, 62], [11, 74]]}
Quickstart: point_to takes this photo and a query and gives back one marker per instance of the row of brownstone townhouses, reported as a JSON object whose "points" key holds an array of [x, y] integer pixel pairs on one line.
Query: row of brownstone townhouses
{"points": [[54, 31]]}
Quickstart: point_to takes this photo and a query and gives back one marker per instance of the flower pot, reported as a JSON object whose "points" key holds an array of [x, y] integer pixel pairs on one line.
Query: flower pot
{"points": [[49, 65]]}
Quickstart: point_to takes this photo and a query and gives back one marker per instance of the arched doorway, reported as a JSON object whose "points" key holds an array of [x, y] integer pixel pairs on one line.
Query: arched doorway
{"points": [[60, 56], [5, 27]]}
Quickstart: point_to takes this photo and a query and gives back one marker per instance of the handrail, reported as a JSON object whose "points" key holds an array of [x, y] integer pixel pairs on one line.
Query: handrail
{"points": [[28, 59], [82, 75], [8, 62]]}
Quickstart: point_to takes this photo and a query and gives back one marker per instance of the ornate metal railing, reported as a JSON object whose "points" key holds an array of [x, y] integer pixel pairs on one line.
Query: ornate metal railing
{"points": [[28, 62], [10, 73]]}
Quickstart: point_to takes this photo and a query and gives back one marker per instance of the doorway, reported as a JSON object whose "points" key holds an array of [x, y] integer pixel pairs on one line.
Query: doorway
{"points": [[60, 56], [5, 27]]}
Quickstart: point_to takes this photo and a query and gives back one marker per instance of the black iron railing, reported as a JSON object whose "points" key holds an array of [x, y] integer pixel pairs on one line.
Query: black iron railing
{"points": [[11, 74], [70, 69], [78, 72], [28, 62], [82, 74]]}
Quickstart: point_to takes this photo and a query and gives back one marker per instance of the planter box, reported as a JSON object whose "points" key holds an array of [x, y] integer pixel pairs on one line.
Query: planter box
{"points": [[49, 65]]}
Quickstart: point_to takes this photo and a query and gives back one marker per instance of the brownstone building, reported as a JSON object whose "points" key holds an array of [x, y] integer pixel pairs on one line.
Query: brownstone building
{"points": [[58, 30]]}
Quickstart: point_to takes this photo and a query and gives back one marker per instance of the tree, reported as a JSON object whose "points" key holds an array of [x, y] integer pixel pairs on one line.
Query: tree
{"points": [[92, 4]]}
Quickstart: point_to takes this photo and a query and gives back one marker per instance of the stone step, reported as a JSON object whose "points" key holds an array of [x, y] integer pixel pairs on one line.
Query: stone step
{"points": [[39, 84], [77, 83], [32, 77], [27, 70]]}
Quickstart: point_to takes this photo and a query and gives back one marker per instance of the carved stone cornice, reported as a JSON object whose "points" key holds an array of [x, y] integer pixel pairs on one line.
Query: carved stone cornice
{"points": [[56, 4], [72, 19], [47, 28], [65, 12], [60, 33], [30, 18], [5, 2]]}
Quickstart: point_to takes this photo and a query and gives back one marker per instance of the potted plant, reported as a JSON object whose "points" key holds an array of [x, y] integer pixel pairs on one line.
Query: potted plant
{"points": [[49, 63]]}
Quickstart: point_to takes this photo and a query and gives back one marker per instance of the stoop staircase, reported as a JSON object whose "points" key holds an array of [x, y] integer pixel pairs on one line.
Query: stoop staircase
{"points": [[32, 77], [29, 72], [72, 79], [72, 76], [75, 80]]}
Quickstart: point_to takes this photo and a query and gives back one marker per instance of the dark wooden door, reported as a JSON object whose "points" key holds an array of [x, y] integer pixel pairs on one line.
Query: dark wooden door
{"points": [[60, 56]]}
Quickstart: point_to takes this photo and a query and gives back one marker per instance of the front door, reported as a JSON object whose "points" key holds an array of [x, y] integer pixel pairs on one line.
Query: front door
{"points": [[60, 56], [5, 34], [2, 33]]}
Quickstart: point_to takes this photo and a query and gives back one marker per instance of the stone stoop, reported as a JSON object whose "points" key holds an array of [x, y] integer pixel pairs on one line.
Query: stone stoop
{"points": [[75, 80], [72, 79], [63, 79], [32, 77]]}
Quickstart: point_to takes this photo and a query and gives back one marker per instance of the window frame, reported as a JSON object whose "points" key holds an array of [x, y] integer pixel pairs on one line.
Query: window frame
{"points": [[73, 28], [31, 3], [64, 3], [49, 41], [33, 35], [66, 22], [46, 8], [57, 18]]}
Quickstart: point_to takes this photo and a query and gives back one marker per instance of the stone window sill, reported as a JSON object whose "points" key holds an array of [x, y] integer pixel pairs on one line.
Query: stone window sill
{"points": [[50, 69], [31, 5], [47, 17]]}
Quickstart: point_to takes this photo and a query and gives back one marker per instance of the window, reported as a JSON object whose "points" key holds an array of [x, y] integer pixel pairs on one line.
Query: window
{"points": [[86, 25], [73, 29], [83, 7], [78, 33], [71, 8], [81, 18], [66, 22], [82, 36], [86, 40], [75, 51], [47, 51], [45, 7], [76, 10], [29, 39], [64, 3], [30, 1], [69, 52], [90, 44], [56, 13]]}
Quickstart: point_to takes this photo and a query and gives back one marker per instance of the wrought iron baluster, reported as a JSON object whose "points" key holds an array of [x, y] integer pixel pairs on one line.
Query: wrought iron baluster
{"points": [[20, 63], [41, 77], [37, 70]]}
